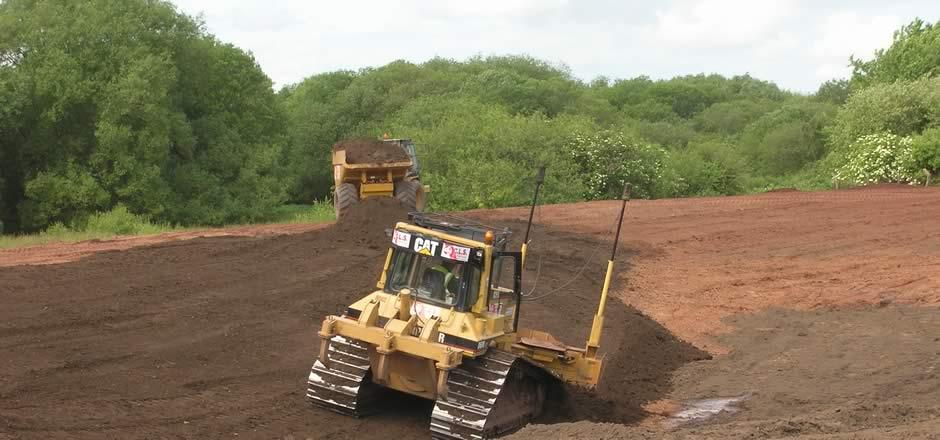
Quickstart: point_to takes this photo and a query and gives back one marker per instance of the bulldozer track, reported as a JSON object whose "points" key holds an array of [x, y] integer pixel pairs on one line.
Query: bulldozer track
{"points": [[345, 386], [486, 398]]}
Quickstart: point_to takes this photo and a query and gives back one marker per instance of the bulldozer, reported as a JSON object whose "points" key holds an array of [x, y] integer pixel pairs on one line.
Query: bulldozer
{"points": [[443, 324], [394, 175]]}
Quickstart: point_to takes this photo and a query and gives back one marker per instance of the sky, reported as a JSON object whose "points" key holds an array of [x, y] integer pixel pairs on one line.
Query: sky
{"points": [[798, 44]]}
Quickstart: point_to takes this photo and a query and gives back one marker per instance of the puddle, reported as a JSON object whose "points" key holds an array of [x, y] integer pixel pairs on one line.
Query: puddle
{"points": [[704, 409]]}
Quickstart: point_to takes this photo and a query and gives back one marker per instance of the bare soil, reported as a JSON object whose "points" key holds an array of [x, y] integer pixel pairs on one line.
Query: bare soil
{"points": [[64, 252], [862, 373], [811, 302], [371, 151]]}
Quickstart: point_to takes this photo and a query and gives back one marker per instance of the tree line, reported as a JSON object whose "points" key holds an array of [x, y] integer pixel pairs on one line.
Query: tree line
{"points": [[133, 105]]}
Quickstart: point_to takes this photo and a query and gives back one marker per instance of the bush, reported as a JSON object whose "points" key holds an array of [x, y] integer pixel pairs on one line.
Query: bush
{"points": [[607, 160], [902, 108], [120, 221], [730, 118], [926, 151], [706, 169], [479, 155], [785, 140], [878, 158]]}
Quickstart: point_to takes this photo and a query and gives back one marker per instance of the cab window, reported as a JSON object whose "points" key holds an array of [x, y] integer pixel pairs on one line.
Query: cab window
{"points": [[503, 284]]}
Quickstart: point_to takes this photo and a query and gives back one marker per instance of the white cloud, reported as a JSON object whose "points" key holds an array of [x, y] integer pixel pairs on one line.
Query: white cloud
{"points": [[717, 23], [847, 33], [796, 43]]}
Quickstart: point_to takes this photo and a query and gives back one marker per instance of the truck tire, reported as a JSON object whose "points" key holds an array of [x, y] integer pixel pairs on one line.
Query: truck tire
{"points": [[345, 196], [410, 193]]}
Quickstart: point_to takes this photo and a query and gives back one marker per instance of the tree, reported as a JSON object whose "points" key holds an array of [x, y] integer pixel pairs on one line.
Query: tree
{"points": [[785, 140], [914, 54], [834, 91], [607, 160], [704, 169], [926, 153], [131, 103], [902, 108], [731, 117]]}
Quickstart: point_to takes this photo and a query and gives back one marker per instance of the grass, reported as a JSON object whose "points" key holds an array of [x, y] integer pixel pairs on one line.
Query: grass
{"points": [[120, 222], [318, 212]]}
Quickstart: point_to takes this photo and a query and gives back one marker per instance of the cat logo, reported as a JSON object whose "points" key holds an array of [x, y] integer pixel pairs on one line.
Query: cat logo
{"points": [[426, 246]]}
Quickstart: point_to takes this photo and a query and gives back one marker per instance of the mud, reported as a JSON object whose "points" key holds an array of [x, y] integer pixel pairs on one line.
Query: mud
{"points": [[862, 373], [563, 278], [213, 337], [371, 151]]}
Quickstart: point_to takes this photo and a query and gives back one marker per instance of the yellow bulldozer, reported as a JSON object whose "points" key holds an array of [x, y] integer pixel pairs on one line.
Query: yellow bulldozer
{"points": [[364, 168], [443, 325]]}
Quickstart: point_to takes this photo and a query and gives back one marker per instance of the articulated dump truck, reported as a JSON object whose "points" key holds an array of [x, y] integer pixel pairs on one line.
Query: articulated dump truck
{"points": [[443, 324], [365, 168]]}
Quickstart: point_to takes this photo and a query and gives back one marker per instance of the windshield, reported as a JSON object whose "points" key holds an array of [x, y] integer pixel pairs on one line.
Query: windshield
{"points": [[430, 278]]}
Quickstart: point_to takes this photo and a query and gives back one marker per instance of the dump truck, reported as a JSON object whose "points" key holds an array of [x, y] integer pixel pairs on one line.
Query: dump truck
{"points": [[365, 168], [443, 324]]}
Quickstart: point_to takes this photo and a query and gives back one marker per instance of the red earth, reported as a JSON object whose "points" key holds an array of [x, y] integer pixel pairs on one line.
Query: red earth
{"points": [[173, 336]]}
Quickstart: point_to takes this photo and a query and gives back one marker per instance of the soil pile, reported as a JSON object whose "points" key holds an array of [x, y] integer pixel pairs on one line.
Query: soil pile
{"points": [[826, 374], [563, 280], [367, 150], [368, 222]]}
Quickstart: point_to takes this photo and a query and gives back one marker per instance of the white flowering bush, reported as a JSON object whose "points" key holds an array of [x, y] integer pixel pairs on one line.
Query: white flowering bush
{"points": [[879, 158], [606, 160]]}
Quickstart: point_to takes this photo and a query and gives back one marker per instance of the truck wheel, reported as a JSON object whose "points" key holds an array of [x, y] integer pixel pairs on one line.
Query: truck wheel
{"points": [[410, 193], [345, 196]]}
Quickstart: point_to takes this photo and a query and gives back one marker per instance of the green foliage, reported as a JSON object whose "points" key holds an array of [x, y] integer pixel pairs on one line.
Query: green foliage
{"points": [[901, 108], [834, 91], [878, 158], [133, 109], [914, 54], [318, 212], [731, 117], [814, 177], [607, 160], [120, 221], [926, 151], [479, 155], [148, 112], [99, 226], [705, 169], [786, 139], [667, 134]]}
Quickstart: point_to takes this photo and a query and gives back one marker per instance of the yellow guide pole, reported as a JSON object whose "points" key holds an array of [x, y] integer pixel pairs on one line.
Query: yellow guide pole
{"points": [[539, 180], [594, 340]]}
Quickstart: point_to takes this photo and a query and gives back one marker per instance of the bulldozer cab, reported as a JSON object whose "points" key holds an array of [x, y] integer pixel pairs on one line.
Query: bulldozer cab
{"points": [[433, 279], [455, 275]]}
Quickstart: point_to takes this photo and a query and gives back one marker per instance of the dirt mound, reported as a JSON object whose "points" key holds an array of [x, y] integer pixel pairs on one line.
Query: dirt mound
{"points": [[365, 150], [366, 222], [866, 373], [563, 279]]}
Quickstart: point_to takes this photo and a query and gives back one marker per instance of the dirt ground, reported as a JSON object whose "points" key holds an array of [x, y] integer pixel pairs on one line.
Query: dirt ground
{"points": [[65, 252], [819, 309], [863, 373]]}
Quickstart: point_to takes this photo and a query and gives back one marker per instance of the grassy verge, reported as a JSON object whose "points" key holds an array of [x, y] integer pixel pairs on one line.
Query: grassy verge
{"points": [[120, 222], [318, 212]]}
